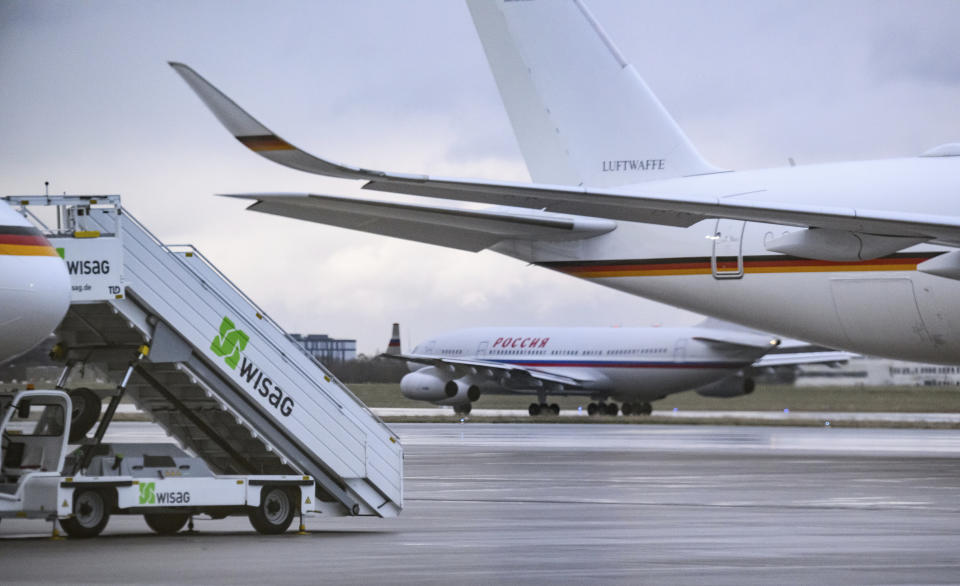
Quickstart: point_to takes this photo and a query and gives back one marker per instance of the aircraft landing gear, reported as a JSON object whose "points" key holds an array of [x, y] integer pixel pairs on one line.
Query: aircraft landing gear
{"points": [[463, 409], [603, 408], [637, 409], [543, 409]]}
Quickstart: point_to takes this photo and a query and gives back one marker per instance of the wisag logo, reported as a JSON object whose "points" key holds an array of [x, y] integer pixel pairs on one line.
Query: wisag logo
{"points": [[148, 494], [229, 343]]}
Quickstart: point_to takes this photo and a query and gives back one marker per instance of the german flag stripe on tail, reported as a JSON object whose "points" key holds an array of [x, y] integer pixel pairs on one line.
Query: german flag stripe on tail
{"points": [[24, 241]]}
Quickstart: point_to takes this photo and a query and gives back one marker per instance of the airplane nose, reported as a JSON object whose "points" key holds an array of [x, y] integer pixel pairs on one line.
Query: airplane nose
{"points": [[34, 297]]}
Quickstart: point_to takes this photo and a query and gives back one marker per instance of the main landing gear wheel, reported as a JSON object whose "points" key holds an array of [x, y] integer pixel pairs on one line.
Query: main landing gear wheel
{"points": [[637, 409], [612, 409], [534, 409], [555, 409], [275, 512], [463, 409], [85, 412], [592, 409], [91, 511], [166, 524]]}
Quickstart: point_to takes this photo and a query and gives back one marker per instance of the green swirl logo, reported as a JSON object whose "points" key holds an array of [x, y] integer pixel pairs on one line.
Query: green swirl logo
{"points": [[229, 342], [148, 493]]}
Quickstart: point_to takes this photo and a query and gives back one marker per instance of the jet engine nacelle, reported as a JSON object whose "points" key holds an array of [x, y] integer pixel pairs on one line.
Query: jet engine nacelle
{"points": [[467, 391], [437, 386], [732, 386], [428, 384]]}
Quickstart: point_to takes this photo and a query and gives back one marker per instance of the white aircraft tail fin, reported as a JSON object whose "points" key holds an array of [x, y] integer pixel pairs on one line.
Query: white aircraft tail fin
{"points": [[581, 113], [393, 348]]}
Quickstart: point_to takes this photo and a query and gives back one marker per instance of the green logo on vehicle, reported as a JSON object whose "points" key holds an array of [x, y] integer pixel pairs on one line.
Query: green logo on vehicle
{"points": [[229, 343], [148, 493]]}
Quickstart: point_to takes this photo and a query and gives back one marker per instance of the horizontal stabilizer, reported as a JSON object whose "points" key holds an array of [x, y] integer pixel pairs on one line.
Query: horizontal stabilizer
{"points": [[444, 225]]}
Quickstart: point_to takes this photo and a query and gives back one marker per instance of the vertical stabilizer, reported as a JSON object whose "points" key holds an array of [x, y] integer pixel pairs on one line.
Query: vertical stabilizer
{"points": [[581, 113], [394, 346]]}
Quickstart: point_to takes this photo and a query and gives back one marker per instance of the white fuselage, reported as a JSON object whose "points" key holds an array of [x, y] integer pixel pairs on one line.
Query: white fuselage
{"points": [[630, 364], [886, 306], [34, 285]]}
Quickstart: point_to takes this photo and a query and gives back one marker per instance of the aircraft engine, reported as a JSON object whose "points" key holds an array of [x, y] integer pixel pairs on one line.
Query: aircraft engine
{"points": [[732, 386], [467, 391], [428, 384]]}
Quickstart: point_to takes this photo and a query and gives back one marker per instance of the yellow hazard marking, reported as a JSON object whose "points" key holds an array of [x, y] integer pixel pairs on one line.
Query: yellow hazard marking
{"points": [[145, 349], [86, 234], [239, 482], [308, 501], [65, 503]]}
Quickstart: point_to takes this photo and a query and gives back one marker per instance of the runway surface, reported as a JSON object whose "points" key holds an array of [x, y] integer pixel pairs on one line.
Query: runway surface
{"points": [[548, 504]]}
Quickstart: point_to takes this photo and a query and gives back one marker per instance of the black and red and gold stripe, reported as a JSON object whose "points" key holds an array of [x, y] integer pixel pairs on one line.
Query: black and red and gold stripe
{"points": [[24, 241], [265, 142], [599, 269]]}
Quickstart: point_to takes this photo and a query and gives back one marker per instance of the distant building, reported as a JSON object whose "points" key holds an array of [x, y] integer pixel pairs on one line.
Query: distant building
{"points": [[327, 349], [878, 372]]}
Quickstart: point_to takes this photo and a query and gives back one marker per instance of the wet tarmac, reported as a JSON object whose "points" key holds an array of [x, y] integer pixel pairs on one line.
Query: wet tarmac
{"points": [[548, 504]]}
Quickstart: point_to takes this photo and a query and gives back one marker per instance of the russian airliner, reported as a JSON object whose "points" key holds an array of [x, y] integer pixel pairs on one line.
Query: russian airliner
{"points": [[857, 255], [632, 365], [34, 285]]}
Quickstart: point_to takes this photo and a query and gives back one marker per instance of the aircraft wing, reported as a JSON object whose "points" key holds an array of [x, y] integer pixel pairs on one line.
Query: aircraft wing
{"points": [[664, 209], [501, 367], [450, 226], [797, 358]]}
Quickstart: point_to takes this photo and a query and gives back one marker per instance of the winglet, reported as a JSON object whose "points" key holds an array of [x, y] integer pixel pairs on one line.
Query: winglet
{"points": [[255, 135]]}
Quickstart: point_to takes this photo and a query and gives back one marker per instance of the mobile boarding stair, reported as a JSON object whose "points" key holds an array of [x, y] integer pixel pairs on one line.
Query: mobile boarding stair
{"points": [[217, 375]]}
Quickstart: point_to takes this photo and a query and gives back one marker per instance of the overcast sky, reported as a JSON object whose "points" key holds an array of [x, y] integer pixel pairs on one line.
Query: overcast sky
{"points": [[88, 102]]}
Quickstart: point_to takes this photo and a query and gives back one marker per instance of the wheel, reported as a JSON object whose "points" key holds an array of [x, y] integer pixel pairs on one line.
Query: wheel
{"points": [[91, 511], [646, 408], [592, 409], [463, 409], [612, 409], [627, 409], [166, 524], [555, 408], [534, 409], [86, 411], [275, 512]]}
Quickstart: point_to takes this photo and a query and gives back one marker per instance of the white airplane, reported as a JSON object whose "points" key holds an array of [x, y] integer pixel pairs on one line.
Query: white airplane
{"points": [[34, 285], [858, 255], [632, 365]]}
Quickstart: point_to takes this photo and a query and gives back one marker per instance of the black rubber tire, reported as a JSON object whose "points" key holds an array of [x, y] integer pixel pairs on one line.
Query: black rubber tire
{"points": [[627, 409], [555, 409], [275, 512], [592, 409], [646, 409], [463, 409], [85, 413], [534, 409], [612, 409], [91, 511], [166, 524]]}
